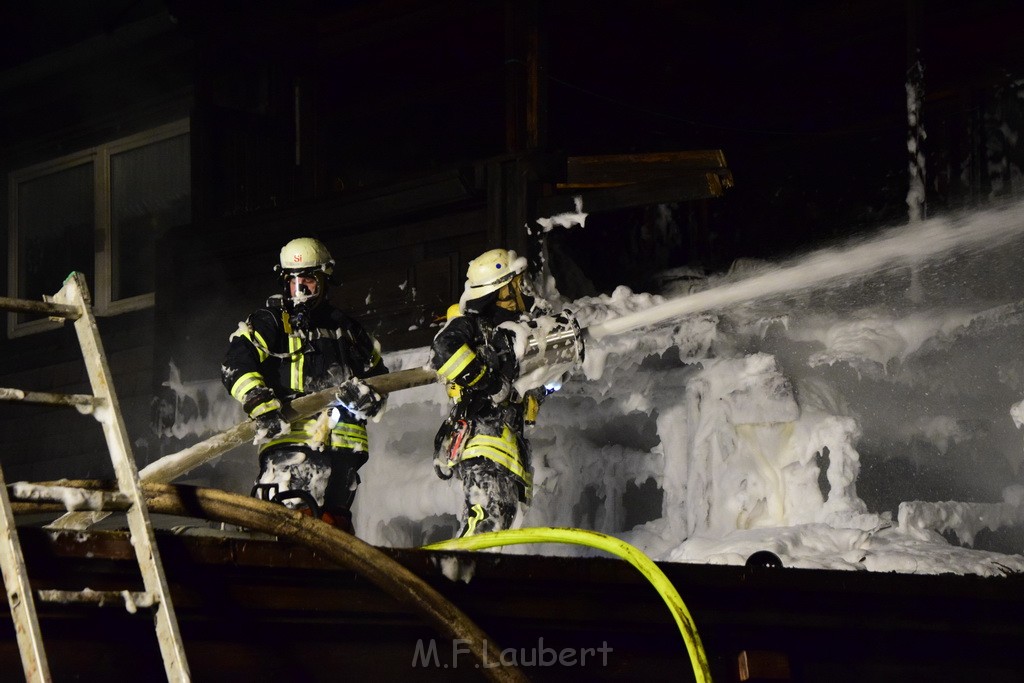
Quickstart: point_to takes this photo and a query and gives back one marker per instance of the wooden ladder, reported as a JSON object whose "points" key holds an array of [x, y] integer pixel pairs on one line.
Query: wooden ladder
{"points": [[73, 302]]}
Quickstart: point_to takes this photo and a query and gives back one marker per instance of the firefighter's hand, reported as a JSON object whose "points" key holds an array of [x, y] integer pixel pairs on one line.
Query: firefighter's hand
{"points": [[260, 400], [263, 406], [360, 399], [269, 425]]}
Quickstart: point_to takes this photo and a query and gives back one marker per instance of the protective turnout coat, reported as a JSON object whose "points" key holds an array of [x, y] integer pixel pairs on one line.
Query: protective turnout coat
{"points": [[294, 358], [478, 359]]}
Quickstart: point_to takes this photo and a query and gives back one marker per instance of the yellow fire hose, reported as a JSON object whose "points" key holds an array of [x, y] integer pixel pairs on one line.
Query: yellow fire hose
{"points": [[609, 544]]}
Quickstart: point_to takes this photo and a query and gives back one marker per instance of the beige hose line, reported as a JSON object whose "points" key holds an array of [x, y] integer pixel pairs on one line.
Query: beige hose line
{"points": [[336, 545]]}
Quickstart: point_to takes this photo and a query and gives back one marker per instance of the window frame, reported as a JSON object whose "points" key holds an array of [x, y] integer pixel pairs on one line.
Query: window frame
{"points": [[103, 264]]}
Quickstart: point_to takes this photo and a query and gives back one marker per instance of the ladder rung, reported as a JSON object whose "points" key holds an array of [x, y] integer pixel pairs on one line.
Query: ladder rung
{"points": [[132, 600], [71, 497], [77, 400], [49, 308]]}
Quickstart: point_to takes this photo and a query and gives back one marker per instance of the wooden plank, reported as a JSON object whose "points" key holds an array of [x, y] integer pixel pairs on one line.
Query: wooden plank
{"points": [[43, 397], [705, 185], [48, 308], [630, 168]]}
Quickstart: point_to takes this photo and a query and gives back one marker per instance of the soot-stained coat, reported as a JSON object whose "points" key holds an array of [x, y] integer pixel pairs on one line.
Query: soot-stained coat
{"points": [[293, 355], [482, 441]]}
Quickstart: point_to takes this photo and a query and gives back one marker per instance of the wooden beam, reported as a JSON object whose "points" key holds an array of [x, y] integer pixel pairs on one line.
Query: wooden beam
{"points": [[523, 91], [49, 308], [621, 169], [699, 185]]}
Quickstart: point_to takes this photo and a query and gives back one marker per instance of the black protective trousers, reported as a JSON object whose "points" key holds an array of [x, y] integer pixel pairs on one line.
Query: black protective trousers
{"points": [[492, 496]]}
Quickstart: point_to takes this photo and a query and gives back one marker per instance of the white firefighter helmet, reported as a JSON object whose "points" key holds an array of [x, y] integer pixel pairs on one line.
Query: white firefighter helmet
{"points": [[306, 254], [304, 257], [490, 271]]}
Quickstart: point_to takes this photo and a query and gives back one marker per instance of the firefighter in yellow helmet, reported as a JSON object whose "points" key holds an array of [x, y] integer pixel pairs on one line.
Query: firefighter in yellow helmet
{"points": [[299, 343], [482, 441]]}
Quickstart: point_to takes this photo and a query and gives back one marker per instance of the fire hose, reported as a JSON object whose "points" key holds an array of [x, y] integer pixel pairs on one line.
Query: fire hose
{"points": [[609, 544]]}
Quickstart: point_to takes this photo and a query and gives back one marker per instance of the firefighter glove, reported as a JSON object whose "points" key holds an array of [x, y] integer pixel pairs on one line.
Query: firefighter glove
{"points": [[360, 399], [263, 406], [260, 400], [269, 425]]}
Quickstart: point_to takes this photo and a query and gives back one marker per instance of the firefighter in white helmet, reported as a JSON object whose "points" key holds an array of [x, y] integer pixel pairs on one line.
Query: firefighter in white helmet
{"points": [[299, 343], [482, 441]]}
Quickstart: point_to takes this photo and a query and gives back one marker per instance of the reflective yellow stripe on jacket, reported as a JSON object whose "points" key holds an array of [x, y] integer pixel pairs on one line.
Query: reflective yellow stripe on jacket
{"points": [[457, 364], [246, 383], [296, 379], [298, 361], [503, 450], [255, 338], [344, 435]]}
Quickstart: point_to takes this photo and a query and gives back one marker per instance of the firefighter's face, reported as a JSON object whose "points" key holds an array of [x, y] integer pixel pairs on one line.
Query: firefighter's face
{"points": [[510, 297], [302, 286]]}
